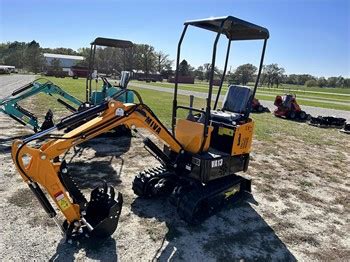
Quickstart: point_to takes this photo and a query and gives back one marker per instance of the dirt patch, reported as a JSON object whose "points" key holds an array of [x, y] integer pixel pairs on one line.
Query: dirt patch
{"points": [[299, 209], [22, 197]]}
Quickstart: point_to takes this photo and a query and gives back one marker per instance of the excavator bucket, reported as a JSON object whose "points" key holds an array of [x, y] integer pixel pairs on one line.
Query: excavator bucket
{"points": [[102, 214], [103, 211]]}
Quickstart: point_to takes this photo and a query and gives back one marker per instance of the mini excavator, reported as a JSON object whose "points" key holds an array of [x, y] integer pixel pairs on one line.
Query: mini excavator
{"points": [[10, 105], [198, 164]]}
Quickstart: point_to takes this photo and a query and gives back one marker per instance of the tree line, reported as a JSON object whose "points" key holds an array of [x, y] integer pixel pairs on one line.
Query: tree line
{"points": [[272, 75], [145, 58]]}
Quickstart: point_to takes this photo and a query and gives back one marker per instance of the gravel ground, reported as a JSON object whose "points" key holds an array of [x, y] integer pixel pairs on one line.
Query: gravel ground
{"points": [[314, 111], [299, 209], [8, 83]]}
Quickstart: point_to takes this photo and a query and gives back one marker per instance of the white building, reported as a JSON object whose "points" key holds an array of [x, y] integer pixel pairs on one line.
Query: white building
{"points": [[66, 61], [7, 69]]}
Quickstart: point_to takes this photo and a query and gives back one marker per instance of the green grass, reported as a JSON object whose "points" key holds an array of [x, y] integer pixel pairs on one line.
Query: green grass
{"points": [[75, 87], [310, 103], [268, 127], [160, 102], [323, 100], [331, 93], [295, 87], [271, 128]]}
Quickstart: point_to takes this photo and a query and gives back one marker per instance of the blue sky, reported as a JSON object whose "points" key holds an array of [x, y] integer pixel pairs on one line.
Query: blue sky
{"points": [[305, 36]]}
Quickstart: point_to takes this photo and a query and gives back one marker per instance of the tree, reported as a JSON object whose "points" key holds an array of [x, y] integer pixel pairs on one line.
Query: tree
{"points": [[199, 73], [347, 82], [243, 74], [33, 57], [60, 50], [207, 67], [14, 54], [167, 73], [272, 74], [322, 82], [332, 81], [56, 66], [163, 61], [145, 58], [184, 68], [340, 81], [311, 83]]}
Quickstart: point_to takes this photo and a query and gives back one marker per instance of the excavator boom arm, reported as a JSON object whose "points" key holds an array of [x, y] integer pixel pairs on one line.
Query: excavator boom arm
{"points": [[42, 168], [10, 105]]}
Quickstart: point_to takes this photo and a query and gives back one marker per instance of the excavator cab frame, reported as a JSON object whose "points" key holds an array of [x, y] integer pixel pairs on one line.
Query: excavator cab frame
{"points": [[234, 29]]}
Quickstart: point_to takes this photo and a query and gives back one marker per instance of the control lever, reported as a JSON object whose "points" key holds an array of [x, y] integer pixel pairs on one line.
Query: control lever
{"points": [[190, 114]]}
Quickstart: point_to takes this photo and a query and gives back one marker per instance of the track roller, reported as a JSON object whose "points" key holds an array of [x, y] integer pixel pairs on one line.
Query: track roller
{"points": [[153, 182], [202, 201]]}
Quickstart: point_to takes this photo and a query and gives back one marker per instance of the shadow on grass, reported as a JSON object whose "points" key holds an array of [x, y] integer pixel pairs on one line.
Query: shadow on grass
{"points": [[236, 233], [101, 250]]}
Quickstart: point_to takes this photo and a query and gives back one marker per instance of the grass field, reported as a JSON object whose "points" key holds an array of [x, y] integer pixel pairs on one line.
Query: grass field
{"points": [[161, 103], [334, 98], [291, 87], [298, 209]]}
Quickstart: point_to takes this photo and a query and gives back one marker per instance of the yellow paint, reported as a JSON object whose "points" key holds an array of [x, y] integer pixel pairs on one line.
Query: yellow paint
{"points": [[190, 135], [242, 141], [45, 171]]}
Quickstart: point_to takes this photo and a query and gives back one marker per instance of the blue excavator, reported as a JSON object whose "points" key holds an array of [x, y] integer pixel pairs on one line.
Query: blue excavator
{"points": [[10, 105]]}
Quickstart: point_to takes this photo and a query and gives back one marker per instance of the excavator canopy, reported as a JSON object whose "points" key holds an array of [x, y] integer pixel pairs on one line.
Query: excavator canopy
{"points": [[234, 28], [112, 42]]}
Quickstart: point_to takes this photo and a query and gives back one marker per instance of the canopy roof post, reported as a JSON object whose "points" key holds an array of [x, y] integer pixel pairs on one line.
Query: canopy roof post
{"points": [[258, 76], [173, 122], [211, 78], [223, 74]]}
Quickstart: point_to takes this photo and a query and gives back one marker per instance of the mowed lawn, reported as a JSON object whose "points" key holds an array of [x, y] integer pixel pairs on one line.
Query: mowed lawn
{"points": [[267, 126], [334, 98]]}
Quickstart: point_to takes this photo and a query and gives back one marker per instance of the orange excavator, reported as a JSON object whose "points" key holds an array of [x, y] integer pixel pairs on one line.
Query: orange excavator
{"points": [[199, 162]]}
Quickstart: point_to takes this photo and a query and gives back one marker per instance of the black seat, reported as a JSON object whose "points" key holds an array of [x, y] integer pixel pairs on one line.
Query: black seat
{"points": [[124, 79], [235, 104]]}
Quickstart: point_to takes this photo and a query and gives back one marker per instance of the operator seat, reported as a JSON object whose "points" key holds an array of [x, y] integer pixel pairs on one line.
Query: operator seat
{"points": [[124, 79], [287, 101], [234, 106]]}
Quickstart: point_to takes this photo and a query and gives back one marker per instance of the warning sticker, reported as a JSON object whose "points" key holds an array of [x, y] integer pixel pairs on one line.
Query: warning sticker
{"points": [[62, 201], [232, 191], [25, 119]]}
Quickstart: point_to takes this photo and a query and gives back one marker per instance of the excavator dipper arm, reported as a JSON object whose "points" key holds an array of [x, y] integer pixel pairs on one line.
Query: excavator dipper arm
{"points": [[39, 166], [11, 105]]}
